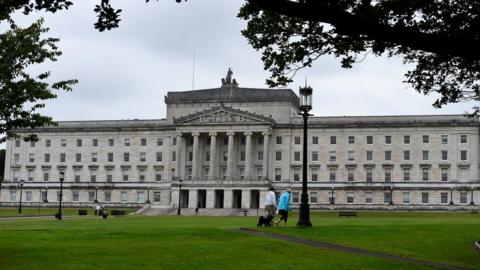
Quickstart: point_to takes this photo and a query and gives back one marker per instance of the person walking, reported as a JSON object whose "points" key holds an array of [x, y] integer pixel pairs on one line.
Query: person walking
{"points": [[284, 206], [270, 204]]}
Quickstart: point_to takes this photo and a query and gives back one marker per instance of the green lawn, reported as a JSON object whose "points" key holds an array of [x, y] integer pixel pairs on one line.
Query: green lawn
{"points": [[171, 242], [49, 211]]}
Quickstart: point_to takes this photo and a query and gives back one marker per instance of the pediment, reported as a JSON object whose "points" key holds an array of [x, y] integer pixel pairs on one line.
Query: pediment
{"points": [[223, 115]]}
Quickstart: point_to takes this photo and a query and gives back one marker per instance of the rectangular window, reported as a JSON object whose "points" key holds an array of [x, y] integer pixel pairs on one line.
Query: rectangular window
{"points": [[369, 174], [351, 174], [94, 142], [444, 155], [156, 196], [63, 157], [424, 155], [424, 197], [351, 155], [126, 157], [369, 139], [332, 174], [387, 197], [46, 175], [32, 144], [369, 155], [406, 174], [13, 196], [425, 173], [313, 197], [463, 174], [174, 140], [279, 139], [158, 174], [406, 139], [124, 196], [444, 139], [315, 140], [296, 156], [17, 143], [444, 174], [91, 196], [278, 155], [333, 140], [333, 155], [94, 157], [242, 155], [388, 139], [16, 158], [388, 155], [296, 174], [48, 143], [78, 157], [349, 197], [463, 155], [368, 197], [79, 142], [315, 174], [108, 196], [110, 157], [207, 156], [93, 175], [159, 141], [225, 156], [111, 142], [314, 155], [295, 197], [406, 197], [260, 140], [127, 141], [31, 157], [109, 175], [406, 155], [77, 172], [47, 157], [28, 196], [297, 139], [259, 174], [75, 196], [463, 138], [143, 157], [260, 155], [63, 142], [388, 174], [463, 197], [278, 174], [141, 174], [425, 139], [351, 139], [444, 197], [174, 156], [31, 174], [125, 173], [143, 141], [159, 156]]}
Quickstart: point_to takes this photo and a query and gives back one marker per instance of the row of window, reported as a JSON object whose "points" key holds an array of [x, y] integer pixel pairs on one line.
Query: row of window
{"points": [[387, 197], [107, 196], [369, 139], [93, 157], [94, 142]]}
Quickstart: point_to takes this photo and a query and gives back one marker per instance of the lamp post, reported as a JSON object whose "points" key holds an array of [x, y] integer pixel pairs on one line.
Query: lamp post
{"points": [[179, 211], [305, 106], [46, 195], [451, 195], [148, 195], [471, 196], [332, 201], [391, 195], [21, 189], [96, 195], [59, 214]]}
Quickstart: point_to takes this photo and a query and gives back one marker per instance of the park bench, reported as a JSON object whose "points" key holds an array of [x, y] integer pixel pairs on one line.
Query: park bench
{"points": [[347, 214], [245, 212], [117, 213], [82, 212]]}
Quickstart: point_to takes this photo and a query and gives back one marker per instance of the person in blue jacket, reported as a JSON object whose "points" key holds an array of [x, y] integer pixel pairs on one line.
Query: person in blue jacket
{"points": [[283, 206]]}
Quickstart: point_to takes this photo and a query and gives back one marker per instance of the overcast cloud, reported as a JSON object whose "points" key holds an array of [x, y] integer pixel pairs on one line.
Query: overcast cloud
{"points": [[125, 73]]}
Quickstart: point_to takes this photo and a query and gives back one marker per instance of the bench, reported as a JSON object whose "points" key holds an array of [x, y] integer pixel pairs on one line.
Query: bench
{"points": [[474, 212], [82, 212], [245, 212], [347, 214], [117, 213]]}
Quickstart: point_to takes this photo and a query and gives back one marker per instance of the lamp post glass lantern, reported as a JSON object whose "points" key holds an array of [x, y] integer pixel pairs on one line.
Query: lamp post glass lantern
{"points": [[305, 106], [45, 200], [451, 195], [179, 210], [21, 192], [59, 214], [148, 195], [96, 195]]}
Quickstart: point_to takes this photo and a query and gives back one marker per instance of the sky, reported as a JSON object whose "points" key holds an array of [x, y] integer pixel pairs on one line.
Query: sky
{"points": [[126, 72]]}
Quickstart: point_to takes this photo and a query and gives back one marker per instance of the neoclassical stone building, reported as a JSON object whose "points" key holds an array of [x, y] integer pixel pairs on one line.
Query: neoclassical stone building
{"points": [[224, 147]]}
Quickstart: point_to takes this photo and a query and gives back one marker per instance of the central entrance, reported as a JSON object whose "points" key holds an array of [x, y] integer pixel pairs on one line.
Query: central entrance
{"points": [[237, 199], [202, 198], [218, 198]]}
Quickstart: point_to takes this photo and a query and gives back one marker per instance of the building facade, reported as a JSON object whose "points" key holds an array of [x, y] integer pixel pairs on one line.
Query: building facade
{"points": [[224, 147]]}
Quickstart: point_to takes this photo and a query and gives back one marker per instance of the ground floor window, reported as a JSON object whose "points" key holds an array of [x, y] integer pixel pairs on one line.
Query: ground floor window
{"points": [[124, 196], [424, 197], [156, 196], [406, 197], [349, 197], [13, 196], [295, 197], [28, 196], [387, 197], [75, 196], [368, 197], [463, 197], [108, 196], [444, 197], [140, 197], [313, 197]]}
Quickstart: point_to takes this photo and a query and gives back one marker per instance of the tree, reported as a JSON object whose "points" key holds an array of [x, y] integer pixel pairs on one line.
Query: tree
{"points": [[21, 93], [2, 164], [439, 37]]}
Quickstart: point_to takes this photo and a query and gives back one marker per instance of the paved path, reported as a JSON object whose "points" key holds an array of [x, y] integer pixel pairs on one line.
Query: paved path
{"points": [[352, 250]]}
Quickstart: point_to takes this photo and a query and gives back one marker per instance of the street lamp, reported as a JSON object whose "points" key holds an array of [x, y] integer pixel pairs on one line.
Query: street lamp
{"points": [[148, 195], [46, 195], [179, 196], [21, 189], [332, 201], [59, 214], [96, 195], [451, 195], [304, 107], [471, 196], [391, 195]]}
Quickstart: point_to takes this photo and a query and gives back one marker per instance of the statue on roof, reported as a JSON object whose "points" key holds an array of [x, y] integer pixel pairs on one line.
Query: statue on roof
{"points": [[228, 80]]}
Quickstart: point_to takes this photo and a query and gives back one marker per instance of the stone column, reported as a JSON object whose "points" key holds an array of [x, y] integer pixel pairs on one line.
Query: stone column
{"points": [[210, 198], [192, 198], [213, 156], [248, 155], [265, 154], [178, 163], [227, 198], [195, 156], [230, 163], [246, 198]]}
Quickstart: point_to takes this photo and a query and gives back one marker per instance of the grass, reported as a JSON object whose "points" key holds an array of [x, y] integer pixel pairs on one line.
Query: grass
{"points": [[171, 242], [13, 211]]}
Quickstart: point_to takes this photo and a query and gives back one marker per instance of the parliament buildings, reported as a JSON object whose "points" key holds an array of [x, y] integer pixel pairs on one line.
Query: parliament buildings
{"points": [[224, 147]]}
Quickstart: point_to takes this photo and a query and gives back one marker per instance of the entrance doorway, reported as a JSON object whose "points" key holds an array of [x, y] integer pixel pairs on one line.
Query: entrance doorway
{"points": [[237, 199], [201, 198], [184, 199], [255, 199], [218, 198]]}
